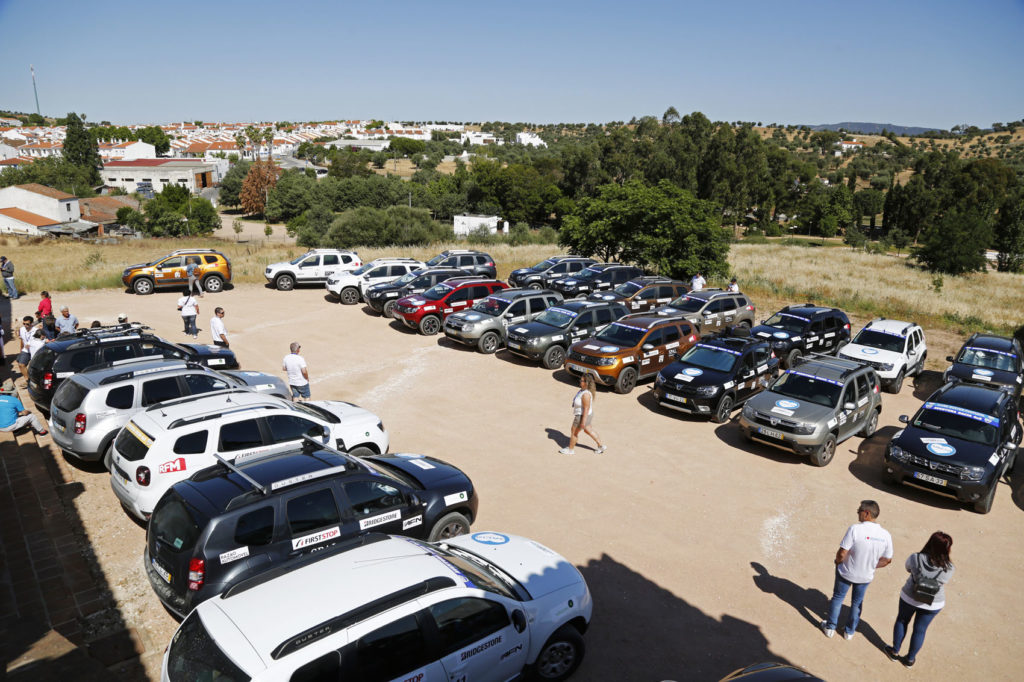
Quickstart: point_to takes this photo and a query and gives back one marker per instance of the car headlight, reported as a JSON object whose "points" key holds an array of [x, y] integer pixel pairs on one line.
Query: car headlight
{"points": [[605, 362], [659, 380], [468, 326], [780, 344], [972, 473], [804, 429], [886, 366], [749, 411], [896, 453], [380, 425], [706, 391], [533, 341]]}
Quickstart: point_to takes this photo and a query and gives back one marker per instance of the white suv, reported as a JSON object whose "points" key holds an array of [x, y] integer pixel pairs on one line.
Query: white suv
{"points": [[312, 267], [486, 606], [172, 440], [350, 287], [893, 348]]}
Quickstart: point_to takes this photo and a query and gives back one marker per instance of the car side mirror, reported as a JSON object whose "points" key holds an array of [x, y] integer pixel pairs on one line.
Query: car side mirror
{"points": [[762, 321], [518, 620], [414, 500], [647, 346], [849, 406], [912, 352], [949, 358], [904, 419], [1010, 446]]}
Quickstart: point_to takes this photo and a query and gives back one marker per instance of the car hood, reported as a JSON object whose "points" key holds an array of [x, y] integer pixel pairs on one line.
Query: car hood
{"points": [[261, 382], [537, 329], [606, 296], [763, 331], [943, 448], [859, 353], [415, 301], [539, 569], [282, 264], [136, 266], [206, 352], [429, 472], [669, 310], [965, 372], [526, 271], [692, 375], [346, 412], [794, 409], [471, 316]]}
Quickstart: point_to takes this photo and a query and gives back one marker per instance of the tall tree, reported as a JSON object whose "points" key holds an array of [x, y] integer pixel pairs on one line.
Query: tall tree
{"points": [[231, 183], [155, 136], [1009, 234], [261, 178], [80, 148]]}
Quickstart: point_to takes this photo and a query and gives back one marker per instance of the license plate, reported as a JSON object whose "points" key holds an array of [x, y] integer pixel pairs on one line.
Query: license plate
{"points": [[60, 427], [931, 479], [513, 344], [771, 433], [166, 575], [677, 398], [33, 384], [578, 368]]}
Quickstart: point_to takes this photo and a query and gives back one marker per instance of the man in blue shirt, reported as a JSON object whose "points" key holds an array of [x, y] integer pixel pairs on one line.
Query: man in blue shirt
{"points": [[13, 414], [66, 323]]}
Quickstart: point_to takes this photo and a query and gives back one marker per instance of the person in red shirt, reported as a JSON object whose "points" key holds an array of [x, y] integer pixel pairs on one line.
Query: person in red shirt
{"points": [[45, 306]]}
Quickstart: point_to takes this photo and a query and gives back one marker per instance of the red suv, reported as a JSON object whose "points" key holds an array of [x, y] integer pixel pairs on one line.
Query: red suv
{"points": [[426, 311]]}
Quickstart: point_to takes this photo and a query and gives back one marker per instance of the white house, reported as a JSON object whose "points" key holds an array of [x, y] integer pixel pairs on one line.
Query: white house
{"points": [[35, 209], [466, 223], [191, 174], [850, 145], [531, 139], [127, 151], [479, 138], [42, 149]]}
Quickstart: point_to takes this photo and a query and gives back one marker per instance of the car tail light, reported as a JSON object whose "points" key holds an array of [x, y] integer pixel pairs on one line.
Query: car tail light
{"points": [[48, 380], [488, 264], [846, 326], [142, 476], [750, 308], [693, 338], [196, 574], [79, 423]]}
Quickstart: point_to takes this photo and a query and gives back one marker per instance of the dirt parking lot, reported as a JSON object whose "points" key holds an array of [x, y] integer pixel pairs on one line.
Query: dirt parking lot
{"points": [[703, 553]]}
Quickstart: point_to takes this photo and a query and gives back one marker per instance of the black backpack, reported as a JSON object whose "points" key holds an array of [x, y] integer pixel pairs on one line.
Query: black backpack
{"points": [[925, 588]]}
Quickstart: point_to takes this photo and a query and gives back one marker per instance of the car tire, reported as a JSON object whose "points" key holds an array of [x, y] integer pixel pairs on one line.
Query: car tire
{"points": [[388, 309], [825, 452], [626, 381], [362, 451], [896, 384], [984, 505], [839, 347], [488, 343], [213, 284], [449, 526], [143, 286], [870, 426], [560, 656], [284, 282], [793, 356], [554, 357], [534, 285], [724, 410], [745, 324], [430, 325], [349, 296]]}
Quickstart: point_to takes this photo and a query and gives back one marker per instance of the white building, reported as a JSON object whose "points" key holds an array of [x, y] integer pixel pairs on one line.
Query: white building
{"points": [[466, 223], [531, 139], [35, 209], [479, 138], [193, 175], [127, 151]]}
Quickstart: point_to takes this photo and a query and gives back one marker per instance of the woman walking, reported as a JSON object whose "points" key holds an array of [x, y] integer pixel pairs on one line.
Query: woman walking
{"points": [[583, 414], [922, 596]]}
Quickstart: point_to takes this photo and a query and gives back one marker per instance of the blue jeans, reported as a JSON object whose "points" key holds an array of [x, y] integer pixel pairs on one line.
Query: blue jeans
{"points": [[922, 619], [12, 290], [190, 324], [842, 585]]}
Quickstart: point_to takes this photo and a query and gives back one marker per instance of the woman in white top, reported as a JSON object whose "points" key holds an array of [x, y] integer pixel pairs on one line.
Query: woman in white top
{"points": [[933, 563], [583, 414]]}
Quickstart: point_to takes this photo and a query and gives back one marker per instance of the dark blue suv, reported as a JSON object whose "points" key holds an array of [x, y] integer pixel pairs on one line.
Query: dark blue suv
{"points": [[989, 360]]}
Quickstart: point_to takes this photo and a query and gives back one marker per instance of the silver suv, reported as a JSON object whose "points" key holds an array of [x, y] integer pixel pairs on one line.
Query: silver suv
{"points": [[485, 325], [91, 407], [712, 310], [312, 267], [815, 405]]}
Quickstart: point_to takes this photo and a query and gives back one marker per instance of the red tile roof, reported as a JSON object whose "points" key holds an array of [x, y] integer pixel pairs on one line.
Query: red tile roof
{"points": [[28, 217], [138, 162], [45, 191]]}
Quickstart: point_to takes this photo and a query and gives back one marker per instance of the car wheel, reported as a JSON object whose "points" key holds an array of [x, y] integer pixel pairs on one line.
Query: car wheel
{"points": [[745, 324], [626, 381], [213, 284], [449, 526], [792, 358], [896, 384], [488, 343], [870, 426], [839, 347], [388, 310], [533, 285], [984, 505], [430, 325], [825, 452], [142, 286], [724, 410], [349, 296], [362, 451], [554, 357], [561, 655], [284, 282]]}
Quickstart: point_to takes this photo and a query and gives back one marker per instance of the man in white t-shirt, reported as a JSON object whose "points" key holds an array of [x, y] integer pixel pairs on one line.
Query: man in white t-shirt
{"points": [[298, 378], [217, 330], [697, 282], [189, 307], [865, 547]]}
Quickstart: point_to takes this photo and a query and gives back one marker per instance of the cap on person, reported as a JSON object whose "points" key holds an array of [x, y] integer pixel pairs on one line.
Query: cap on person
{"points": [[122, 317], [8, 388]]}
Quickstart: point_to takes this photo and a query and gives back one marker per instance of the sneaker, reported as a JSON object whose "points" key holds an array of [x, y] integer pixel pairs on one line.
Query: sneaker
{"points": [[195, 336], [826, 629], [907, 663], [566, 451], [601, 449], [42, 433], [893, 656], [847, 636]]}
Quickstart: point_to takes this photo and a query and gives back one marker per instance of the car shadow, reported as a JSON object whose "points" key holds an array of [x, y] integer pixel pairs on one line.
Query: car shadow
{"points": [[926, 383], [400, 326], [1016, 482], [811, 604], [732, 435], [568, 378], [508, 356], [332, 299], [868, 466], [86, 466], [369, 312], [650, 401], [445, 342]]}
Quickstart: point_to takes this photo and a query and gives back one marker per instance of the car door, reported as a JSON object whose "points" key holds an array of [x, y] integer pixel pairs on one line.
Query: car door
{"points": [[746, 376], [468, 263], [830, 334], [847, 417], [477, 639], [557, 270], [516, 313], [863, 403], [457, 300], [815, 336], [728, 311], [670, 339], [158, 390], [309, 269], [242, 439], [644, 300], [915, 352], [377, 505], [712, 316], [648, 351], [313, 518], [252, 541], [169, 272], [196, 384], [583, 327], [329, 264], [765, 364], [287, 431], [397, 650], [538, 304]]}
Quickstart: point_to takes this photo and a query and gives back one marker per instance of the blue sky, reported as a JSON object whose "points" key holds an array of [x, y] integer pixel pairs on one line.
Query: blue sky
{"points": [[933, 63]]}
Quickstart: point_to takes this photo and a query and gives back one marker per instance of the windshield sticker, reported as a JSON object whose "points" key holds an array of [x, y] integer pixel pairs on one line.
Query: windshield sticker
{"points": [[795, 317], [520, 330], [815, 377], [933, 440], [234, 555], [886, 331], [421, 463], [413, 522], [869, 351], [978, 376], [963, 412], [315, 538], [140, 434], [990, 350], [591, 346], [941, 449], [718, 348], [764, 335], [489, 538], [563, 311], [455, 498], [380, 519]]}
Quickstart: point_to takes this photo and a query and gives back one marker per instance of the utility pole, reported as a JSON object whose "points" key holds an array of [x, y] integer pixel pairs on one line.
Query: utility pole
{"points": [[36, 92]]}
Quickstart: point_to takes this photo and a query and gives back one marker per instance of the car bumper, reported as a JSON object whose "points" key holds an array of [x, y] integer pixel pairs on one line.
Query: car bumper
{"points": [[173, 602], [607, 376], [464, 337], [937, 482], [68, 444], [681, 403], [376, 304], [527, 351], [801, 445], [137, 505]]}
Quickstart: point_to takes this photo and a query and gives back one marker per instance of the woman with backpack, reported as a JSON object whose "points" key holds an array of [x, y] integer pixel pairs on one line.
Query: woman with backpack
{"points": [[922, 596]]}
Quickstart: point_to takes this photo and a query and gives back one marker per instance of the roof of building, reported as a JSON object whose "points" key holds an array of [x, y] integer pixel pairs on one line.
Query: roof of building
{"points": [[104, 209], [45, 191], [152, 163], [28, 217]]}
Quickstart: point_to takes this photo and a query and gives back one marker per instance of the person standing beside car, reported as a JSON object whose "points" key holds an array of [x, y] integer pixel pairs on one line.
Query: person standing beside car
{"points": [[189, 307], [217, 329], [192, 270], [697, 282], [922, 596], [7, 270], [298, 376], [45, 306]]}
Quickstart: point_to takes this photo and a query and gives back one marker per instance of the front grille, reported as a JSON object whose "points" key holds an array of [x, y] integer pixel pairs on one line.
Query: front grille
{"points": [[779, 425], [932, 465], [517, 338], [684, 390], [453, 324], [580, 357], [405, 308]]}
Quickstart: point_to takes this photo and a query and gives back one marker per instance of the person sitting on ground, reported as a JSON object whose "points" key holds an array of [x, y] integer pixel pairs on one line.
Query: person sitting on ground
{"points": [[13, 415], [49, 328]]}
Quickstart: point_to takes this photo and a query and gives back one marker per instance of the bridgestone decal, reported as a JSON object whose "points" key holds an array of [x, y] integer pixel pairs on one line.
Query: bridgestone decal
{"points": [[469, 653], [379, 520]]}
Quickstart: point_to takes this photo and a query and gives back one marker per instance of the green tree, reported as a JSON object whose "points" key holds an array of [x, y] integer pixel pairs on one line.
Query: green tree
{"points": [[231, 184], [406, 146], [290, 197], [855, 237], [955, 243], [316, 222], [899, 239], [1009, 234], [155, 136], [53, 172], [867, 202], [80, 148]]}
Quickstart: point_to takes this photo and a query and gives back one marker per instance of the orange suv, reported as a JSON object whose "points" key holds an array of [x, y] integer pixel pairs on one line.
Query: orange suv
{"points": [[169, 272], [633, 348]]}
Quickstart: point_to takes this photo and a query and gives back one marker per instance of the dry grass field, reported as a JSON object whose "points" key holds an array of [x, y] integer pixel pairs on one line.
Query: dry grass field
{"points": [[404, 168]]}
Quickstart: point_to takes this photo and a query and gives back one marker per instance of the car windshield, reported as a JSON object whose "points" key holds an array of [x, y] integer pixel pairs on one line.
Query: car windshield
{"points": [[628, 289], [621, 334], [193, 655], [483, 574], [363, 269], [880, 340], [711, 357], [389, 471], [492, 305], [557, 317], [295, 261], [589, 273], [988, 358], [957, 422], [437, 292], [813, 389], [406, 278], [173, 525], [315, 411], [688, 304], [437, 260], [790, 323], [543, 265]]}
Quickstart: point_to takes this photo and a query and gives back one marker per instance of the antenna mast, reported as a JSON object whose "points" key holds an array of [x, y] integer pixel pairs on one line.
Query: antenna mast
{"points": [[33, 70]]}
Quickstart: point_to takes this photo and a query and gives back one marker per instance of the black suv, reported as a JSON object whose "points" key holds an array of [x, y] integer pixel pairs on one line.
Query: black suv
{"points": [[235, 520], [597, 277], [718, 374], [643, 294], [381, 297], [71, 353], [959, 444], [543, 273], [549, 336], [799, 329], [712, 310], [989, 360], [474, 262]]}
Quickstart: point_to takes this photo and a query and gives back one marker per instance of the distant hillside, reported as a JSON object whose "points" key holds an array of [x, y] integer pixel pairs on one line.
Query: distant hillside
{"points": [[872, 128]]}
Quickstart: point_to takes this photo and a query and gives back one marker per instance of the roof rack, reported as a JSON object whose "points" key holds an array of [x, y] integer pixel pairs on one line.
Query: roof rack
{"points": [[131, 374], [846, 365], [124, 327], [252, 481], [199, 396]]}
